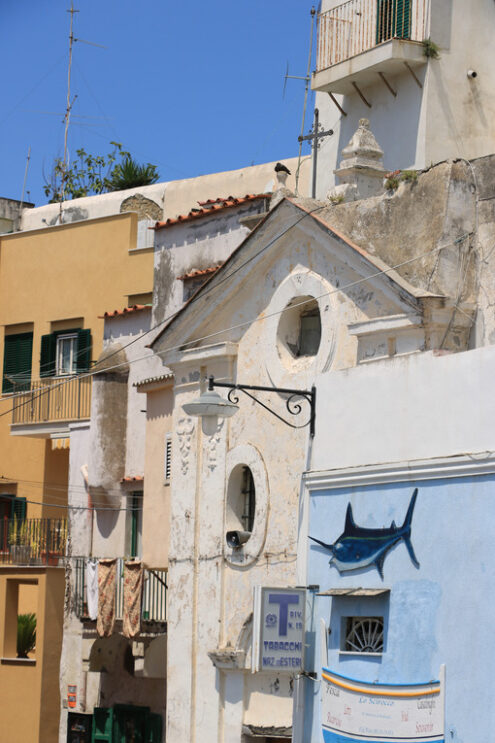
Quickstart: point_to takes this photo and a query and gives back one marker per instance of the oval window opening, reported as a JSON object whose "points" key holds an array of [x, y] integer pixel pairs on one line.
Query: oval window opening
{"points": [[299, 330], [241, 504]]}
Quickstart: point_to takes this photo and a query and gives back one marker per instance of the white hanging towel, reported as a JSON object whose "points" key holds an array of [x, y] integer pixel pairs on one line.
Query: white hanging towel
{"points": [[92, 588]]}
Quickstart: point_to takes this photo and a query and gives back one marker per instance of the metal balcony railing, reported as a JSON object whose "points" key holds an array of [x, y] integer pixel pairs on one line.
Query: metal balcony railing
{"points": [[154, 598], [32, 541], [53, 399], [359, 25]]}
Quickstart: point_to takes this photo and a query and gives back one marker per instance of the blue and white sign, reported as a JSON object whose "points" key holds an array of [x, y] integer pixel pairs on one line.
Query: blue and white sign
{"points": [[278, 629], [371, 713]]}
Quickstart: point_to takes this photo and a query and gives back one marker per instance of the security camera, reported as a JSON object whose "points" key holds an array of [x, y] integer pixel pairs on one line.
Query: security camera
{"points": [[237, 538], [472, 74]]}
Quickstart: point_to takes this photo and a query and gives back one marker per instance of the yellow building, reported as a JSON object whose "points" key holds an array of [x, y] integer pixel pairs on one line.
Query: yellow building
{"points": [[55, 284]]}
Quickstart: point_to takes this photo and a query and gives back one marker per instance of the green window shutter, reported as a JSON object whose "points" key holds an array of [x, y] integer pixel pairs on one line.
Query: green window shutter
{"points": [[47, 357], [154, 727], [83, 350], [393, 20], [402, 26], [102, 725], [18, 352], [19, 508]]}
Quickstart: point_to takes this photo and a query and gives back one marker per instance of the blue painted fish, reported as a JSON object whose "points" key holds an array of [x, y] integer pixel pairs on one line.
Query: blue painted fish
{"points": [[358, 547]]}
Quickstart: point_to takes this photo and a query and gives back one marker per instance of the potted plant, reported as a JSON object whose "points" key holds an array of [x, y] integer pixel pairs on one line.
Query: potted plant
{"points": [[19, 550], [26, 634]]}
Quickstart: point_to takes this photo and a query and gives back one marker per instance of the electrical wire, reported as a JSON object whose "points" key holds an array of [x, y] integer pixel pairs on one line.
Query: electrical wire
{"points": [[237, 326], [205, 292]]}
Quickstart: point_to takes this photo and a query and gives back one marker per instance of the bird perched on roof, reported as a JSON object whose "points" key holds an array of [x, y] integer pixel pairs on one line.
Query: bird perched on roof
{"points": [[281, 168]]}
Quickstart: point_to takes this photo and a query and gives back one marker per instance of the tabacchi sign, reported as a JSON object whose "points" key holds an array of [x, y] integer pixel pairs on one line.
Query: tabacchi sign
{"points": [[402, 713], [278, 629]]}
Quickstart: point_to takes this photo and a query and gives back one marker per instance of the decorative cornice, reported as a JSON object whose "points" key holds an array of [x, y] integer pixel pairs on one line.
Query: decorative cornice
{"points": [[477, 463]]}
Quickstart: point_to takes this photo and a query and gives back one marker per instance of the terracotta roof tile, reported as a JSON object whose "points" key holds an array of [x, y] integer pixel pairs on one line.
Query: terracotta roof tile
{"points": [[199, 272], [126, 310], [153, 380], [209, 207], [136, 478]]}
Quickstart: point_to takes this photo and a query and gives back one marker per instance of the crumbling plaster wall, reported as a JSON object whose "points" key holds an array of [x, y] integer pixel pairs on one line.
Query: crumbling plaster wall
{"points": [[194, 245], [415, 219], [484, 172], [452, 201]]}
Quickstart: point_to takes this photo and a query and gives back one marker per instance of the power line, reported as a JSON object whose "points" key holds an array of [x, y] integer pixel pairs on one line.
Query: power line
{"points": [[239, 325]]}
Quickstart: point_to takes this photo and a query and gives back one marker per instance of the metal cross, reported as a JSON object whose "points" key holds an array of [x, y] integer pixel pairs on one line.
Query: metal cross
{"points": [[314, 136]]}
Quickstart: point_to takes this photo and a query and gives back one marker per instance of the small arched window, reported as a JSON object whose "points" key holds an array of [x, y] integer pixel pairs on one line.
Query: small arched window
{"points": [[241, 499]]}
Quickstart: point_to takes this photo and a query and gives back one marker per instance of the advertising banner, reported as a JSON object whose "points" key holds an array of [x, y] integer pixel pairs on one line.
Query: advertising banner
{"points": [[372, 713], [278, 630]]}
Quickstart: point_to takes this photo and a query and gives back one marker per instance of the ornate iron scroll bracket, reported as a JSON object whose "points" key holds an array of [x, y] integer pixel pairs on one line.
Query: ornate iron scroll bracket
{"points": [[293, 403]]}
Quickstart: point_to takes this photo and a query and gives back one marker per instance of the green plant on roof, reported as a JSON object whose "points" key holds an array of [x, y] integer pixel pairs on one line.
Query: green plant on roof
{"points": [[87, 174], [26, 634], [392, 183], [409, 176], [430, 49], [130, 174]]}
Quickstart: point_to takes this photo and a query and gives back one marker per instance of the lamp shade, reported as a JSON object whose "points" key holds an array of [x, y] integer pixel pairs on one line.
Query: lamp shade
{"points": [[210, 404]]}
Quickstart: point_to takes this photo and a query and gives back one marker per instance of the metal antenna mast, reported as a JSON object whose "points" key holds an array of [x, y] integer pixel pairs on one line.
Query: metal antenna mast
{"points": [[25, 177], [68, 106], [306, 78]]}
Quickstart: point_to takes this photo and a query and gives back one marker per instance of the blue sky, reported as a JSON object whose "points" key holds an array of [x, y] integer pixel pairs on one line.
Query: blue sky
{"points": [[193, 87]]}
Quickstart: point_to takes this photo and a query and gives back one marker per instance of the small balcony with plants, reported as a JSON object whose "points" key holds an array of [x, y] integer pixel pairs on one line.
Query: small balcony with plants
{"points": [[360, 40], [35, 542]]}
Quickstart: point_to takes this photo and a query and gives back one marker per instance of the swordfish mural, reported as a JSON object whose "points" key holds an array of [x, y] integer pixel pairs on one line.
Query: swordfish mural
{"points": [[359, 547]]}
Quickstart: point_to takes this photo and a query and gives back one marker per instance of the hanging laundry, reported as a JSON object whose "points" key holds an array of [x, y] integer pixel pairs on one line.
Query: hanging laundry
{"points": [[107, 572], [92, 588], [133, 590]]}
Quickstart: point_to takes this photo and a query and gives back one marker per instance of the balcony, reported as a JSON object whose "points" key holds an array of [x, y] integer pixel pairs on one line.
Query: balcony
{"points": [[154, 598], [362, 38], [32, 541], [50, 405]]}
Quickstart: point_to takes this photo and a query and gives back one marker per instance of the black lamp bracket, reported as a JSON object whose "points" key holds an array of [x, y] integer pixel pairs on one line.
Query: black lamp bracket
{"points": [[292, 403]]}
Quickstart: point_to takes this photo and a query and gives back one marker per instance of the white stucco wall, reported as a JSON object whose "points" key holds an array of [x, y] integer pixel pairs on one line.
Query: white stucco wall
{"points": [[357, 420], [173, 197], [451, 116]]}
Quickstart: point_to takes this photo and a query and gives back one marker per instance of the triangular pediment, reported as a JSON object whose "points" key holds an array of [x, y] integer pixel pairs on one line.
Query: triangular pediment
{"points": [[291, 244]]}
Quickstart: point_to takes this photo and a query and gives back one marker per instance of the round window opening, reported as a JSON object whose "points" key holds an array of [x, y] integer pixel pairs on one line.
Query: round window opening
{"points": [[299, 329], [241, 506]]}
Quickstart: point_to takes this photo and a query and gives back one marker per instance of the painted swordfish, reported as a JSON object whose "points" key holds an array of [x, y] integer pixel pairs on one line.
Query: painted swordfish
{"points": [[358, 547]]}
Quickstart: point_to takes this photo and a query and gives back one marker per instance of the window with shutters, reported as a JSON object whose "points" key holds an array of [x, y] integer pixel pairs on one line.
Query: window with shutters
{"points": [[134, 523], [393, 20], [65, 352], [11, 506], [168, 456], [18, 351]]}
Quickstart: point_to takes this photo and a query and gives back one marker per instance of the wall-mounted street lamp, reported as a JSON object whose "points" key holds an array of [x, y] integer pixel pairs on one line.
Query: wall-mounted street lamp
{"points": [[210, 405]]}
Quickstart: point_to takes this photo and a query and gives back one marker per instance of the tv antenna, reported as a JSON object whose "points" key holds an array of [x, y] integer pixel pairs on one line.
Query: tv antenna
{"points": [[306, 78], [69, 104]]}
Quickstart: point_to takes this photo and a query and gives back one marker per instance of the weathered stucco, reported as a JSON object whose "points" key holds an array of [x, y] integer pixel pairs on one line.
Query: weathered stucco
{"points": [[448, 115], [108, 424]]}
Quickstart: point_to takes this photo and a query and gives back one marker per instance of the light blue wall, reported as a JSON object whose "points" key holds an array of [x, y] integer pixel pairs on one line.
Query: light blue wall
{"points": [[443, 612]]}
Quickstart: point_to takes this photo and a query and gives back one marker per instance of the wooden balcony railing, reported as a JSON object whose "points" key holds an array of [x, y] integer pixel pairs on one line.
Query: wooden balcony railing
{"points": [[53, 399], [32, 541], [154, 598], [359, 25]]}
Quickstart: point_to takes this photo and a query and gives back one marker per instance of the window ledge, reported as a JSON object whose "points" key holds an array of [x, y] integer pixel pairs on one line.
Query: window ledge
{"points": [[360, 655], [18, 661]]}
